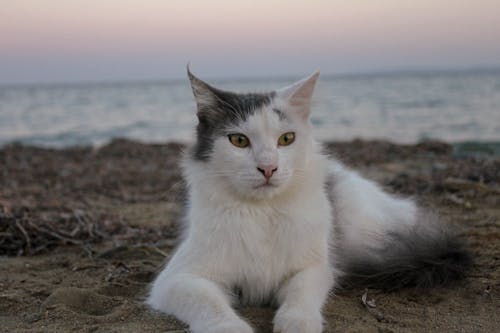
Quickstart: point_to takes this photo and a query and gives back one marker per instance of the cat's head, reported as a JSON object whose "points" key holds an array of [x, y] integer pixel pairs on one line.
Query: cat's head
{"points": [[255, 145]]}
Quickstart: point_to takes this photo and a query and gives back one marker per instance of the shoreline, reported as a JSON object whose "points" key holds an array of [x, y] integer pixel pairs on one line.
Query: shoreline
{"points": [[482, 148]]}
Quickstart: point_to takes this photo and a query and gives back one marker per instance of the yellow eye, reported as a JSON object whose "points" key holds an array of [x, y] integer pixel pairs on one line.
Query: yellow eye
{"points": [[286, 139], [239, 140]]}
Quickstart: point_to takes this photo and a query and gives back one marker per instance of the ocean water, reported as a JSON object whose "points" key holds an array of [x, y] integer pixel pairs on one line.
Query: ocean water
{"points": [[404, 108]]}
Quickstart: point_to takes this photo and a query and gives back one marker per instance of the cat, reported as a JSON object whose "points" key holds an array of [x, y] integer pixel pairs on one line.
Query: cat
{"points": [[272, 220]]}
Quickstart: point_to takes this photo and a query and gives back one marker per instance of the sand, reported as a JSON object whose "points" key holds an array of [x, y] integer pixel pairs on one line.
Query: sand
{"points": [[83, 232]]}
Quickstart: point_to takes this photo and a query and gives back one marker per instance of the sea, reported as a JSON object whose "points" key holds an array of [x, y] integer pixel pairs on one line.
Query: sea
{"points": [[405, 107]]}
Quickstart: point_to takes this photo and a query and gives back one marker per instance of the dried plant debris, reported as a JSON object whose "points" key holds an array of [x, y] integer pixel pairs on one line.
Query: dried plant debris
{"points": [[371, 306], [80, 196], [129, 192], [24, 233], [369, 303]]}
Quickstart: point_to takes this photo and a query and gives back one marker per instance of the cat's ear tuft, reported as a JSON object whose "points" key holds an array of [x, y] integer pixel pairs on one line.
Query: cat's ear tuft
{"points": [[299, 95], [204, 94]]}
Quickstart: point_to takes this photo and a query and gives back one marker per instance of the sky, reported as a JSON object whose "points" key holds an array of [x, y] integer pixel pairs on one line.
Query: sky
{"points": [[110, 40]]}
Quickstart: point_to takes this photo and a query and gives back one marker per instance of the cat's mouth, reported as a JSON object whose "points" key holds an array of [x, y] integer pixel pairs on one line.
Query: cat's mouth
{"points": [[266, 185]]}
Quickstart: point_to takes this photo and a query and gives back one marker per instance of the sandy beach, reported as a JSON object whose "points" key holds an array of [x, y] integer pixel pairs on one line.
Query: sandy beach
{"points": [[83, 232]]}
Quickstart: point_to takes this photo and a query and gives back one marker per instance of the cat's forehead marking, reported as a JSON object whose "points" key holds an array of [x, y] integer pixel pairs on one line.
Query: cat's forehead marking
{"points": [[236, 107], [229, 109], [280, 113], [261, 123]]}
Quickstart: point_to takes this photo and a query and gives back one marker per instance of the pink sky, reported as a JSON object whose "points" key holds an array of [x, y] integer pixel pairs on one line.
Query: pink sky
{"points": [[54, 40]]}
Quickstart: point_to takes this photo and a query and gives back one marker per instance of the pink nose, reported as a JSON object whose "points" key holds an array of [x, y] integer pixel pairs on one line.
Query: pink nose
{"points": [[267, 170]]}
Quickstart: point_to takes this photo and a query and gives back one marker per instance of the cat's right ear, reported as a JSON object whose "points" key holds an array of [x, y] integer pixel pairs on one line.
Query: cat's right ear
{"points": [[204, 94]]}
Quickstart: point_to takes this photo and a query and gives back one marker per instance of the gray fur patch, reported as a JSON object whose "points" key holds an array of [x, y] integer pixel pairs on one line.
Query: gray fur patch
{"points": [[280, 113], [226, 109]]}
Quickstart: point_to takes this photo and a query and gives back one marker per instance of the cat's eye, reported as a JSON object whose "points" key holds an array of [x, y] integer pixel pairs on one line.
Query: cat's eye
{"points": [[286, 139], [239, 140]]}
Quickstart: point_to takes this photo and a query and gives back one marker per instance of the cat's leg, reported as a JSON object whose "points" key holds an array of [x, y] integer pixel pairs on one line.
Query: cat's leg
{"points": [[301, 299], [199, 302]]}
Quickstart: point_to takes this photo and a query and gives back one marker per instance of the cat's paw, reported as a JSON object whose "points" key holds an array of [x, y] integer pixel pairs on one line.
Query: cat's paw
{"points": [[295, 321], [229, 326]]}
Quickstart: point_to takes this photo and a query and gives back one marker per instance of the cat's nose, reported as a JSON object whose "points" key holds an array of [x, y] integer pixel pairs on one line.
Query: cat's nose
{"points": [[267, 170]]}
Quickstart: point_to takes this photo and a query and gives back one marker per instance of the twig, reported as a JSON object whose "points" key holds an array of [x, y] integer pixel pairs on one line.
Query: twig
{"points": [[25, 234], [55, 235]]}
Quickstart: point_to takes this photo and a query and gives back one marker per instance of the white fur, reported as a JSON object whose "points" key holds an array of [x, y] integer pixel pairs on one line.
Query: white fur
{"points": [[364, 213], [272, 242]]}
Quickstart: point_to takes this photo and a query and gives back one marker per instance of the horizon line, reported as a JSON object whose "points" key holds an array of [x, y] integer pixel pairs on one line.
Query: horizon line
{"points": [[277, 77]]}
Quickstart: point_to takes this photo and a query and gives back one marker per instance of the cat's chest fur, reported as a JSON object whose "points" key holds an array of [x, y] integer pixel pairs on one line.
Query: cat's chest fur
{"points": [[256, 247]]}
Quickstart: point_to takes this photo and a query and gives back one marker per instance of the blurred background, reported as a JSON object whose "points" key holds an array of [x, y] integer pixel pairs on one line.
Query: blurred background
{"points": [[76, 72]]}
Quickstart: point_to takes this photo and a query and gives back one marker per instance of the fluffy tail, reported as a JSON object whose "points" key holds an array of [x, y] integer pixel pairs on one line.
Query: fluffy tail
{"points": [[388, 243], [421, 257]]}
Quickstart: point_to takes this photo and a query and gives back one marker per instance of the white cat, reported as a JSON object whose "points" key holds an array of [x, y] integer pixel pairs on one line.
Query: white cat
{"points": [[271, 219]]}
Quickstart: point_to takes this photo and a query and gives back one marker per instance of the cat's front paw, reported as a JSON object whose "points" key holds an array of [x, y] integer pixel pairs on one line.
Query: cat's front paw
{"points": [[228, 326], [296, 321]]}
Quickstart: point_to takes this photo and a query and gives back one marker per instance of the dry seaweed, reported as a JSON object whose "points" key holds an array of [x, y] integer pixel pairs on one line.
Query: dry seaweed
{"points": [[83, 196], [21, 233]]}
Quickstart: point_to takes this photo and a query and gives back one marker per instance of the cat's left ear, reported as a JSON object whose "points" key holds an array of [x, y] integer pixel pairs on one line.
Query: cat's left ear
{"points": [[299, 95]]}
